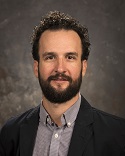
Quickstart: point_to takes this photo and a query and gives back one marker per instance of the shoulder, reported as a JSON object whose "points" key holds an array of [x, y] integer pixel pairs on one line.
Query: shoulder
{"points": [[107, 118], [109, 128], [13, 124], [104, 124], [100, 116], [10, 132]]}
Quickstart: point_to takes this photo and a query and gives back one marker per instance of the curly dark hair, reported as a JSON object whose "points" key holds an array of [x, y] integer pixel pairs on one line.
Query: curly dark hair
{"points": [[56, 20]]}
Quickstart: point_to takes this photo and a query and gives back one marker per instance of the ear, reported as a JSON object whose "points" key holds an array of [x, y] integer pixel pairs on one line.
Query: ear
{"points": [[35, 68], [84, 67]]}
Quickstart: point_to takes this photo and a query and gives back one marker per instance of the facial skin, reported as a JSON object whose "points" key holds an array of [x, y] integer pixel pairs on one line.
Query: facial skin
{"points": [[60, 53]]}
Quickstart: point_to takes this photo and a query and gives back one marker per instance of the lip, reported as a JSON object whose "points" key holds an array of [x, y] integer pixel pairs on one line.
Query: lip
{"points": [[60, 81]]}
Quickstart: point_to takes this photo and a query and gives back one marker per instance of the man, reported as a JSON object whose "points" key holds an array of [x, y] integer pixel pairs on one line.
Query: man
{"points": [[64, 123]]}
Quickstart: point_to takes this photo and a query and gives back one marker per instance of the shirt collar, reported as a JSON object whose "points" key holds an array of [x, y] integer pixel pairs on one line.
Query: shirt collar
{"points": [[68, 118], [43, 114], [71, 114]]}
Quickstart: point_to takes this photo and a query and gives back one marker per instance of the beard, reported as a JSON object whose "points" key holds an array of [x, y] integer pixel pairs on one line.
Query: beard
{"points": [[58, 95]]}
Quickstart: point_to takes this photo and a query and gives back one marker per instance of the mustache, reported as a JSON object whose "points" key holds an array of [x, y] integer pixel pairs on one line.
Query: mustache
{"points": [[60, 76]]}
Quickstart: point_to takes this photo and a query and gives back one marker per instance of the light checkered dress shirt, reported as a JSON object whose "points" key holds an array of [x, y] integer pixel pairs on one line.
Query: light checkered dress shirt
{"points": [[52, 140]]}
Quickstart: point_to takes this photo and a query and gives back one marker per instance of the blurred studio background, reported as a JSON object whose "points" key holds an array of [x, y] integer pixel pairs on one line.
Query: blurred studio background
{"points": [[104, 83]]}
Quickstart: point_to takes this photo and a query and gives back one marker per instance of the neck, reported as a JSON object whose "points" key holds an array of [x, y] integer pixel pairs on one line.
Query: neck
{"points": [[57, 110]]}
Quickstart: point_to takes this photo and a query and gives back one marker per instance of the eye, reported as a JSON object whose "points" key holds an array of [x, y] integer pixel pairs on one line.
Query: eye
{"points": [[71, 57], [49, 57]]}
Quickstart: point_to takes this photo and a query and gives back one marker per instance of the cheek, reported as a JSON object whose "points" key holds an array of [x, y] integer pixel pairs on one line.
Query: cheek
{"points": [[75, 71], [45, 70]]}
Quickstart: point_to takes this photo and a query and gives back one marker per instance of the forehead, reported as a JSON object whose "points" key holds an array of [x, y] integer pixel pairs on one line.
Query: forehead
{"points": [[60, 39]]}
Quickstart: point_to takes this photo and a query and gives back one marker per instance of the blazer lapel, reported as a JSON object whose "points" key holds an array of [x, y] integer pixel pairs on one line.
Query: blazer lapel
{"points": [[83, 130], [28, 132]]}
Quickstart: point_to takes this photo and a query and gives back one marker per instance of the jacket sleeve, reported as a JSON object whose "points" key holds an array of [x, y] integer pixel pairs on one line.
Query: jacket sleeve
{"points": [[2, 144], [6, 141], [123, 138]]}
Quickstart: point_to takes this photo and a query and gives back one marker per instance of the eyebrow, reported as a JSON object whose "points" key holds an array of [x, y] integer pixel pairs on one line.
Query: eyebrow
{"points": [[72, 53], [48, 53], [54, 53]]}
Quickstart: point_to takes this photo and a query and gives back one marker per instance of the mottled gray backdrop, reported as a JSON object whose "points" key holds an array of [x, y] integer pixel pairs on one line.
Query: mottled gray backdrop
{"points": [[104, 84]]}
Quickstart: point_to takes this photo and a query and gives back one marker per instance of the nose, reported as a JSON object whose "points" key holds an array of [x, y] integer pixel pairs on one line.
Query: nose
{"points": [[60, 66]]}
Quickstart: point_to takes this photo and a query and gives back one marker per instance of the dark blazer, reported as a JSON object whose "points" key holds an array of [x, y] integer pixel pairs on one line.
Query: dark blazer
{"points": [[95, 133]]}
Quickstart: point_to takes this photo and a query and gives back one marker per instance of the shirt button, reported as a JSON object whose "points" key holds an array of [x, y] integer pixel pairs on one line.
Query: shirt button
{"points": [[47, 119], [56, 135], [69, 124]]}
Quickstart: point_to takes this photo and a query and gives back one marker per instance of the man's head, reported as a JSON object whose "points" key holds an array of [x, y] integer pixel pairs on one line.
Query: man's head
{"points": [[60, 56], [56, 20]]}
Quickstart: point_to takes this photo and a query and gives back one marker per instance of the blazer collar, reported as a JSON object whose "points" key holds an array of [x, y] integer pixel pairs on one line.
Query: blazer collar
{"points": [[28, 132], [83, 129], [81, 134]]}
